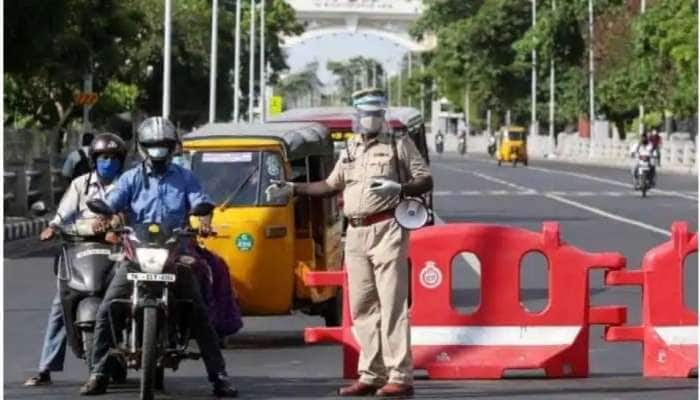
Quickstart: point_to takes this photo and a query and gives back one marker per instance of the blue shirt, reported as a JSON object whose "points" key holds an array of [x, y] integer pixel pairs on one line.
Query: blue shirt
{"points": [[166, 199]]}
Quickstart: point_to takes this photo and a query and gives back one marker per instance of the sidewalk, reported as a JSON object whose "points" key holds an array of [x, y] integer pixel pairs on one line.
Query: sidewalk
{"points": [[20, 228]]}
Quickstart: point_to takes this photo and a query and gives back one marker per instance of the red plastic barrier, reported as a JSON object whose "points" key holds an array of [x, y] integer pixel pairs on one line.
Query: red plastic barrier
{"points": [[669, 329], [500, 334]]}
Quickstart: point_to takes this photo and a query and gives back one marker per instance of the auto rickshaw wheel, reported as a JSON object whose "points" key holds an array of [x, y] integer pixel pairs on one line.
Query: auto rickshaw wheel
{"points": [[525, 163], [499, 163], [515, 162]]}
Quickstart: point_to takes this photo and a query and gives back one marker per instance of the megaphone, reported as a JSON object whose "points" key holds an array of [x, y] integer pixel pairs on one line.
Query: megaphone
{"points": [[412, 213]]}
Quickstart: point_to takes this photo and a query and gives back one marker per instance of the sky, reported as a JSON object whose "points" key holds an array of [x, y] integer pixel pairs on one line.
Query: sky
{"points": [[343, 46]]}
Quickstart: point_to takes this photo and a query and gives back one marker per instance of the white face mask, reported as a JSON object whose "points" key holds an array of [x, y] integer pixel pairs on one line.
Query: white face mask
{"points": [[371, 124], [157, 152]]}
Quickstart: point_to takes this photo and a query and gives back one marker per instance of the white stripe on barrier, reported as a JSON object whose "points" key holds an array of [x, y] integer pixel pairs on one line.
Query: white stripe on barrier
{"points": [[678, 335], [493, 335]]}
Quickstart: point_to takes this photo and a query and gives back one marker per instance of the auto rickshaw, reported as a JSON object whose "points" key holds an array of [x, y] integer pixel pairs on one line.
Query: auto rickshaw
{"points": [[268, 245], [512, 146]]}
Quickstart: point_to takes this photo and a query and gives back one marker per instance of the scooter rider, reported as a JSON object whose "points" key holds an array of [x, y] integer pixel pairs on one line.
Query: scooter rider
{"points": [[108, 153], [644, 148], [158, 191]]}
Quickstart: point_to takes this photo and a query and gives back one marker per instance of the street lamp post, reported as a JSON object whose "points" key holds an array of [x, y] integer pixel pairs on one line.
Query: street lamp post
{"points": [[251, 64], [533, 117], [213, 59], [591, 78], [166, 60], [237, 64], [263, 65], [643, 7], [551, 96]]}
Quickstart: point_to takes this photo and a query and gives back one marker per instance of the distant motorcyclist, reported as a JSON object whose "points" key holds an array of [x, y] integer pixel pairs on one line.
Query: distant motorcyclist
{"points": [[158, 191], [492, 144], [439, 142], [644, 148], [108, 152], [78, 161]]}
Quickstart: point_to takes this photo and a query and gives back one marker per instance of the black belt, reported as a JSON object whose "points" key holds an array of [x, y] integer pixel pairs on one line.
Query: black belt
{"points": [[368, 220]]}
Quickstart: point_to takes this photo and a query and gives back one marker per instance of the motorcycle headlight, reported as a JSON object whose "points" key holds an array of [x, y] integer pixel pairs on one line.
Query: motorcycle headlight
{"points": [[152, 260]]}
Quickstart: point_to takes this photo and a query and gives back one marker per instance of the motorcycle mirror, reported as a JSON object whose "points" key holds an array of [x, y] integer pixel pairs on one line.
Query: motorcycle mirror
{"points": [[202, 209], [98, 206]]}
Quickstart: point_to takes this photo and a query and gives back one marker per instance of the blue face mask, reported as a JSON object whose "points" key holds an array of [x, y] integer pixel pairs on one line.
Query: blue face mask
{"points": [[108, 168]]}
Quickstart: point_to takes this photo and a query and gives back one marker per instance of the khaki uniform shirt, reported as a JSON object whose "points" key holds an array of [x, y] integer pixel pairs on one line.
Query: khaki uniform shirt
{"points": [[362, 162]]}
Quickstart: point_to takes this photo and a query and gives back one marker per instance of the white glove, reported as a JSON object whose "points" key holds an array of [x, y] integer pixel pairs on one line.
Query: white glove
{"points": [[279, 189], [385, 187]]}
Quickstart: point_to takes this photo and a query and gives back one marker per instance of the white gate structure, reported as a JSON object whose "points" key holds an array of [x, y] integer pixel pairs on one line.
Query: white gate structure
{"points": [[387, 19]]}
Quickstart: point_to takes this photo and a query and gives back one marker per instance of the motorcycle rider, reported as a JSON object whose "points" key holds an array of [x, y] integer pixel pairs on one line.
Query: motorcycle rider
{"points": [[644, 148], [492, 143], [158, 191], [108, 154], [439, 141]]}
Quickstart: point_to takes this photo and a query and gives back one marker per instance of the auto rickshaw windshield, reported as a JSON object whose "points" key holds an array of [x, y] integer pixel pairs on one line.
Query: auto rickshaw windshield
{"points": [[238, 178], [514, 135]]}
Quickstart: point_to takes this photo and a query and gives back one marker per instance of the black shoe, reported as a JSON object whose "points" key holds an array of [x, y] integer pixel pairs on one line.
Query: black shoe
{"points": [[42, 379], [224, 388], [97, 384]]}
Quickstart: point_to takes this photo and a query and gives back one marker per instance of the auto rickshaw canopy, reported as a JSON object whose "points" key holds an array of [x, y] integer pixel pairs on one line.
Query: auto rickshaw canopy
{"points": [[299, 139]]}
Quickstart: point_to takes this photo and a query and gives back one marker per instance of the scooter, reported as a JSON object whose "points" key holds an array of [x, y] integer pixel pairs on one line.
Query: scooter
{"points": [[84, 270], [491, 149], [156, 329], [462, 145], [643, 180], [439, 144]]}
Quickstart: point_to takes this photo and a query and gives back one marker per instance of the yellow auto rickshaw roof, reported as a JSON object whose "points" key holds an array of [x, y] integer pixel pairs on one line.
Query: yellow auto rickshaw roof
{"points": [[299, 140], [516, 129]]}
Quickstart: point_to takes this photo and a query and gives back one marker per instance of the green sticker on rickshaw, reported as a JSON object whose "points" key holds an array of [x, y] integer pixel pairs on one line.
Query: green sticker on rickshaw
{"points": [[244, 242]]}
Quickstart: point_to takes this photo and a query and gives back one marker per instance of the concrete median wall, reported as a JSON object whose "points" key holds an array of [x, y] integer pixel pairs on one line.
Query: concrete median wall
{"points": [[676, 155]]}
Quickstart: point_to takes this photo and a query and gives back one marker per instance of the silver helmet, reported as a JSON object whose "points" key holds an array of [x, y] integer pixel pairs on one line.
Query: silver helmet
{"points": [[157, 139]]}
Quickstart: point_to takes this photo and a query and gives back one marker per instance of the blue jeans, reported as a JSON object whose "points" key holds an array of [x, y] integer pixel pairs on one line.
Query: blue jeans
{"points": [[53, 351]]}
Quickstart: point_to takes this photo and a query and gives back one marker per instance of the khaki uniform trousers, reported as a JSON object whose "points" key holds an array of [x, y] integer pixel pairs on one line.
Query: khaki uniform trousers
{"points": [[377, 268]]}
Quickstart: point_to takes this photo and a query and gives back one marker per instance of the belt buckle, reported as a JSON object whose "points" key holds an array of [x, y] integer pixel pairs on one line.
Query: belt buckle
{"points": [[357, 221]]}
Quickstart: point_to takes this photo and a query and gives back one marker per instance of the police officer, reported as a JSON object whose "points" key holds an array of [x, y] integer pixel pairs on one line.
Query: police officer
{"points": [[376, 245]]}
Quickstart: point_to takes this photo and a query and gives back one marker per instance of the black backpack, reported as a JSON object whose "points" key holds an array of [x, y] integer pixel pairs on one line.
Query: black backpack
{"points": [[83, 166]]}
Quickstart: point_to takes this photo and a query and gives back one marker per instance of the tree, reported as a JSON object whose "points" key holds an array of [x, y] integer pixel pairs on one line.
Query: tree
{"points": [[354, 74]]}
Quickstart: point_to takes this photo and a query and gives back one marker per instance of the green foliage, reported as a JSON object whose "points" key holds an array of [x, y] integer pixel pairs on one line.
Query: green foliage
{"points": [[50, 45], [350, 75]]}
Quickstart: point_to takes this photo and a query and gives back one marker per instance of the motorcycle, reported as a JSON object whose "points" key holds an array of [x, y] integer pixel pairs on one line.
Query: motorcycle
{"points": [[84, 270], [491, 149], [156, 332], [462, 145], [439, 144], [643, 180]]}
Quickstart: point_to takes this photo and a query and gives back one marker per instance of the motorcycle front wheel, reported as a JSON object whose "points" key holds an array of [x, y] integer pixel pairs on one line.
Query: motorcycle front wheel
{"points": [[149, 354]]}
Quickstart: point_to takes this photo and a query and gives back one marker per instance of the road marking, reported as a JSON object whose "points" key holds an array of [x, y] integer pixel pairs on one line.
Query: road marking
{"points": [[613, 182], [475, 193], [576, 204], [471, 260], [606, 214], [529, 335]]}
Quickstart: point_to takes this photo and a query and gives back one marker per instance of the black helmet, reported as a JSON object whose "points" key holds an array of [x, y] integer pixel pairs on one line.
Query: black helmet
{"points": [[108, 143]]}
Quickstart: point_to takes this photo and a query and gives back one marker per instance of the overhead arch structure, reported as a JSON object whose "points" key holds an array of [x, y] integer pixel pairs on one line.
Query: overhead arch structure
{"points": [[387, 19]]}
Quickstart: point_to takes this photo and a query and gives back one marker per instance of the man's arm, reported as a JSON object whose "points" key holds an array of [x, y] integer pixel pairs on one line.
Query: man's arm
{"points": [[314, 189], [418, 185], [420, 180]]}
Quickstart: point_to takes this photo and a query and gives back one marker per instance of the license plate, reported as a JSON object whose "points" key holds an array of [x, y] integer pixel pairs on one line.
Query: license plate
{"points": [[140, 276]]}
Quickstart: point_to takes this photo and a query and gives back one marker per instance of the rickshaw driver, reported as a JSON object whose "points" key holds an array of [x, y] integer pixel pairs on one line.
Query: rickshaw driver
{"points": [[376, 245], [161, 192]]}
